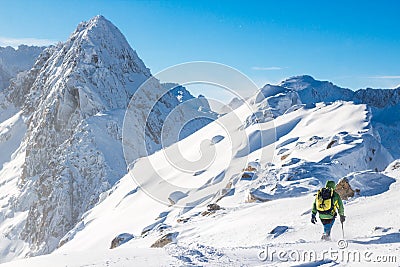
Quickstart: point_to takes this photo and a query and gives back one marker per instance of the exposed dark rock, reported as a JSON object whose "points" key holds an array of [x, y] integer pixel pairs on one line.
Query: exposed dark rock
{"points": [[344, 189], [164, 240], [121, 239]]}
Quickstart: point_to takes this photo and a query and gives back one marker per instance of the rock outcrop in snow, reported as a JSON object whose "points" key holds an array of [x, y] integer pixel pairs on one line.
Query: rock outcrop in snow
{"points": [[343, 188], [121, 239]]}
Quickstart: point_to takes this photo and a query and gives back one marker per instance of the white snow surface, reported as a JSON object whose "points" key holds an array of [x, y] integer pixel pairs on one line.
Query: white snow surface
{"points": [[236, 234]]}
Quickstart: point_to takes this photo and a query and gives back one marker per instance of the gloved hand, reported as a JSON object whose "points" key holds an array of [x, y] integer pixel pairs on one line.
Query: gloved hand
{"points": [[313, 219], [342, 218]]}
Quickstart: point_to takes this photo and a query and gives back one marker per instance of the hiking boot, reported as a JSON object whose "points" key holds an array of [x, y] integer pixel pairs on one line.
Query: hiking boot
{"points": [[325, 237]]}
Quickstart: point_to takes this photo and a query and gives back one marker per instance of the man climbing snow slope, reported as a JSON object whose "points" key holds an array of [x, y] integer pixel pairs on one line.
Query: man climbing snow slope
{"points": [[326, 203]]}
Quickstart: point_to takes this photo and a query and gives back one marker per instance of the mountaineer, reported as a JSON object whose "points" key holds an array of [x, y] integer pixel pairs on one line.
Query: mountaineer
{"points": [[328, 204]]}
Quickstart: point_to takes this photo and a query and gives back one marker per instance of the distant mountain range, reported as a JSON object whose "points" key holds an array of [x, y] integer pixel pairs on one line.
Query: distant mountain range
{"points": [[14, 61]]}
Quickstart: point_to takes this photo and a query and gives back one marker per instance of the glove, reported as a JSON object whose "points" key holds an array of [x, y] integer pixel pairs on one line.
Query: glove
{"points": [[342, 218], [313, 219]]}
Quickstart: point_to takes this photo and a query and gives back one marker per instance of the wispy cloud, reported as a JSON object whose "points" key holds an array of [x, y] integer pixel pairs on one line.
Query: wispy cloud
{"points": [[267, 68], [15, 42], [385, 77]]}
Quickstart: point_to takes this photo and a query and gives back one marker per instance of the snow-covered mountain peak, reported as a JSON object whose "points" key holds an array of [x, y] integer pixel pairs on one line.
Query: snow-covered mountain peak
{"points": [[98, 26], [102, 41], [300, 82], [96, 66], [97, 20], [68, 111]]}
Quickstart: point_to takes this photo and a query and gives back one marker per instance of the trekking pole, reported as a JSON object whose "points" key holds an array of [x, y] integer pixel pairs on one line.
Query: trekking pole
{"points": [[342, 231]]}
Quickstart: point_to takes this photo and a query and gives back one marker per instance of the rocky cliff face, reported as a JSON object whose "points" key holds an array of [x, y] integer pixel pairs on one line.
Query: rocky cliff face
{"points": [[94, 72], [72, 104]]}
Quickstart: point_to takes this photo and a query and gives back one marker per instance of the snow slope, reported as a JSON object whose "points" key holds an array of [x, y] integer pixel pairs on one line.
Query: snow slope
{"points": [[239, 236], [264, 183], [384, 104]]}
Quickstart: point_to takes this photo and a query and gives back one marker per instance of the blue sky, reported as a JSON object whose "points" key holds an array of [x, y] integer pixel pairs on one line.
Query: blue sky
{"points": [[355, 44]]}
